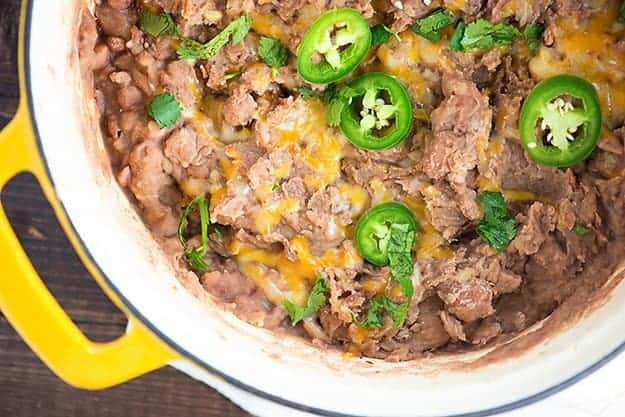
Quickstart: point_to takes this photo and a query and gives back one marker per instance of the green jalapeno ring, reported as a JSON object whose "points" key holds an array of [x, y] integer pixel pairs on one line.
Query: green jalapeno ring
{"points": [[574, 131], [376, 112], [373, 230], [342, 52]]}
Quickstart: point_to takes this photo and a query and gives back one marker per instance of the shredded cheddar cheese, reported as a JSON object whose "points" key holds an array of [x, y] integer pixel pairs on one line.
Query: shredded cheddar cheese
{"points": [[401, 59], [588, 48], [305, 133], [429, 244], [295, 276], [270, 215]]}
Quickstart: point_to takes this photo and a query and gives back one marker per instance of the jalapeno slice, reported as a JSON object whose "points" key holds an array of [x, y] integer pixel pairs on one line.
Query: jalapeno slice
{"points": [[373, 230], [377, 111], [333, 46], [560, 122]]}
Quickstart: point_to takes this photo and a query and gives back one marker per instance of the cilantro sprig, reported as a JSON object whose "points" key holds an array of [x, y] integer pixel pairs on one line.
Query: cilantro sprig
{"points": [[158, 24], [581, 230], [482, 34], [233, 33], [532, 34], [163, 24], [621, 13], [381, 34], [165, 110], [431, 25], [273, 52], [377, 306], [399, 248], [316, 299], [195, 256], [497, 228]]}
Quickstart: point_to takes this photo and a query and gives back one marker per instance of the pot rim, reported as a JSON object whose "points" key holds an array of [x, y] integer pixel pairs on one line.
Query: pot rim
{"points": [[213, 369]]}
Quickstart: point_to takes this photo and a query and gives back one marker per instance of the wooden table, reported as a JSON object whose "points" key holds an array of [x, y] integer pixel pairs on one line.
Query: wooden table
{"points": [[27, 387]]}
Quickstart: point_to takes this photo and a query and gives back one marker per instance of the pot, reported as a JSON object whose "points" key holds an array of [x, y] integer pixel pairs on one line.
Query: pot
{"points": [[55, 136]]}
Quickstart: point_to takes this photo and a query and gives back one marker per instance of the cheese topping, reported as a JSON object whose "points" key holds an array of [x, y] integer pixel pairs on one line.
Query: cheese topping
{"points": [[401, 59], [271, 214], [429, 244], [295, 277], [588, 48], [305, 133]]}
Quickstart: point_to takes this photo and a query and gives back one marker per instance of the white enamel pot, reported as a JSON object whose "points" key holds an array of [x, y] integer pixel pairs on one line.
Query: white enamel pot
{"points": [[55, 136]]}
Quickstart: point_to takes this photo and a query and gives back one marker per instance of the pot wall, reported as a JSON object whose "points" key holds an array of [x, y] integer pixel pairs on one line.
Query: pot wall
{"points": [[288, 370]]}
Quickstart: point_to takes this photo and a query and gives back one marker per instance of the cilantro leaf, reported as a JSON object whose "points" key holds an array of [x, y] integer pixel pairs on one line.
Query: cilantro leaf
{"points": [[329, 93], [399, 248], [621, 13], [581, 230], [158, 24], [239, 28], [532, 34], [481, 34], [454, 42], [379, 305], [316, 299], [272, 52], [232, 75], [497, 228], [165, 110], [430, 26], [380, 34], [306, 92], [338, 100], [234, 32], [195, 256]]}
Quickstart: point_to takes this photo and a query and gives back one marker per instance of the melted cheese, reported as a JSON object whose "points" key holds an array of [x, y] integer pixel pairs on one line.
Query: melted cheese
{"points": [[429, 244], [454, 5], [588, 48], [269, 24], [295, 276], [194, 187], [356, 196], [401, 59], [376, 286], [307, 136], [271, 214]]}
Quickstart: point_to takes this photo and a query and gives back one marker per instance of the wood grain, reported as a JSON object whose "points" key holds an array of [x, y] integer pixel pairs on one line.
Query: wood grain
{"points": [[27, 387]]}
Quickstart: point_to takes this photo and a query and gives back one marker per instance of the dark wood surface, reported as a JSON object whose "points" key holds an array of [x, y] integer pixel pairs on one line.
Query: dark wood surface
{"points": [[27, 387]]}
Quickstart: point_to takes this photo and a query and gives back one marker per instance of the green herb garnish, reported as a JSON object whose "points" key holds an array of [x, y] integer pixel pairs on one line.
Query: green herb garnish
{"points": [[532, 34], [431, 25], [273, 52], [481, 34], [306, 92], [165, 110], [379, 305], [316, 299], [381, 34], [621, 13], [232, 75], [234, 33], [399, 248], [454, 42], [275, 186], [581, 230], [195, 256], [497, 228], [338, 99], [158, 24]]}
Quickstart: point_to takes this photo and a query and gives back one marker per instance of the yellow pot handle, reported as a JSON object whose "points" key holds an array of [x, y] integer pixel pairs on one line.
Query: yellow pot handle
{"points": [[33, 311]]}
